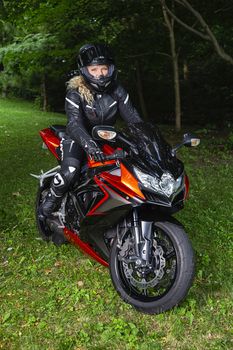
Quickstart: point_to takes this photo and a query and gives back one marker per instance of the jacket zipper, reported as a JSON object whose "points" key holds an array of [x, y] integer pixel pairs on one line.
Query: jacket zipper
{"points": [[102, 114]]}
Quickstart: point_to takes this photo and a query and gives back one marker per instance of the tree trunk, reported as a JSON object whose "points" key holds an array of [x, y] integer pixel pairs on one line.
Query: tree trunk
{"points": [[188, 102], [185, 70], [176, 83], [206, 34], [44, 94], [4, 92], [140, 91], [170, 25]]}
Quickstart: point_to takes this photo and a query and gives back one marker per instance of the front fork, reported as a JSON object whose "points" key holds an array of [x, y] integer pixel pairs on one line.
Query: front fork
{"points": [[142, 231]]}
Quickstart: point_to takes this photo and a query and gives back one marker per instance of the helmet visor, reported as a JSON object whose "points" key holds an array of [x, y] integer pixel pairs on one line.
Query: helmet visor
{"points": [[95, 55]]}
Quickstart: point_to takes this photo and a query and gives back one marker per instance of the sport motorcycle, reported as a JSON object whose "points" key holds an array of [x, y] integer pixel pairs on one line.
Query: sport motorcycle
{"points": [[119, 211]]}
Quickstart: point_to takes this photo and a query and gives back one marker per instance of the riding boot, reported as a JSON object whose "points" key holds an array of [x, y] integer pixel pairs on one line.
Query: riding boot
{"points": [[54, 196], [51, 203], [59, 186]]}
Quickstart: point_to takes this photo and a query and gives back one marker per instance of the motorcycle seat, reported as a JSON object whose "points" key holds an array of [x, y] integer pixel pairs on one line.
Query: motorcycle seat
{"points": [[59, 130]]}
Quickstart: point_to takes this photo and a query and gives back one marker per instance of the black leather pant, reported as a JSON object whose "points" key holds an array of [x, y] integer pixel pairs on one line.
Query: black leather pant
{"points": [[71, 158]]}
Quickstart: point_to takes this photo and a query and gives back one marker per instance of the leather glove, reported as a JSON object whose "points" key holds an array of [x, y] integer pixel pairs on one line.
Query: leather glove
{"points": [[98, 155], [93, 150]]}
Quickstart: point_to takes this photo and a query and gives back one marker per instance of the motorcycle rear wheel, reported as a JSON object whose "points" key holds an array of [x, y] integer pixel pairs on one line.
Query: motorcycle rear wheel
{"points": [[168, 284], [43, 229]]}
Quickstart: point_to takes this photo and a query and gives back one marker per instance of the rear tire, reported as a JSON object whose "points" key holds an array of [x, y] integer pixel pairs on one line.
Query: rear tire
{"points": [[57, 237], [175, 271], [43, 229]]}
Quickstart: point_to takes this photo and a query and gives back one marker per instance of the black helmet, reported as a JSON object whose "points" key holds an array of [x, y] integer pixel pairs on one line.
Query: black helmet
{"points": [[97, 55]]}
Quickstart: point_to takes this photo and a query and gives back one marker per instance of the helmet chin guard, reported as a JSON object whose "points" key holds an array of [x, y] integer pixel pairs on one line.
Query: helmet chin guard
{"points": [[97, 55]]}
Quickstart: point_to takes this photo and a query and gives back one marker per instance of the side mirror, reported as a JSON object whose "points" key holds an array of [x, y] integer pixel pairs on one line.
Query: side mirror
{"points": [[189, 140], [104, 132]]}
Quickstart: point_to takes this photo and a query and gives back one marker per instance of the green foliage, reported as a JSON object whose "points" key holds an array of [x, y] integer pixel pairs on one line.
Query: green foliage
{"points": [[28, 56], [230, 141], [39, 42], [6, 32], [59, 299]]}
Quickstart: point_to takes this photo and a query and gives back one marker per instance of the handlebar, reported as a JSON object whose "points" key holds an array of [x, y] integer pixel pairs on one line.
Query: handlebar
{"points": [[119, 154]]}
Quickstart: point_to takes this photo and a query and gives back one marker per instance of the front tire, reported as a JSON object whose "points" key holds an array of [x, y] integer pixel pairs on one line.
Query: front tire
{"points": [[167, 285]]}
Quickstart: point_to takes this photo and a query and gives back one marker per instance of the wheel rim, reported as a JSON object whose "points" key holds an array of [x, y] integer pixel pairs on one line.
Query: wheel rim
{"points": [[146, 284]]}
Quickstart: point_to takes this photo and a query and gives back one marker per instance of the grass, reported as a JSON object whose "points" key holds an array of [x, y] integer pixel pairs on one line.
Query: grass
{"points": [[58, 299]]}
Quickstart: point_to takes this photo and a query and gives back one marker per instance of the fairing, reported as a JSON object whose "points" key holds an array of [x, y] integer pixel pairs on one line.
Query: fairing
{"points": [[74, 238], [107, 193], [155, 154], [51, 140]]}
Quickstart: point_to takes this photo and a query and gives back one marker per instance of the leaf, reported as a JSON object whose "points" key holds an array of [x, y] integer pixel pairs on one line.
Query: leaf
{"points": [[16, 194], [22, 260], [42, 324], [191, 318], [58, 264], [80, 283], [6, 316]]}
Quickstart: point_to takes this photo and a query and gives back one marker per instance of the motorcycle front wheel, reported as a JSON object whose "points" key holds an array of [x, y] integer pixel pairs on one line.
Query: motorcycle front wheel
{"points": [[162, 285]]}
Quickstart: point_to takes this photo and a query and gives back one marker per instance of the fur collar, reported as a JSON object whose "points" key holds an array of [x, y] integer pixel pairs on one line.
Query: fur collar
{"points": [[78, 83]]}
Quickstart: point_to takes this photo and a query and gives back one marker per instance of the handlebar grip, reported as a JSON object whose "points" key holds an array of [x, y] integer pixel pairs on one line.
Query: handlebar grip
{"points": [[116, 155]]}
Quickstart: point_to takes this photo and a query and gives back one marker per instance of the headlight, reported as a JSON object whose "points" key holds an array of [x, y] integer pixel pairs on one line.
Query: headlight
{"points": [[166, 185], [148, 180], [169, 185]]}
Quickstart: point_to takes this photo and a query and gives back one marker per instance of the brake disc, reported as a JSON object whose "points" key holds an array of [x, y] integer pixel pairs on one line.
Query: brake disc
{"points": [[136, 278]]}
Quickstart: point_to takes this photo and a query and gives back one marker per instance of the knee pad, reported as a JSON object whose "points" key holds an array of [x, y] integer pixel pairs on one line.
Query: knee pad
{"points": [[59, 181]]}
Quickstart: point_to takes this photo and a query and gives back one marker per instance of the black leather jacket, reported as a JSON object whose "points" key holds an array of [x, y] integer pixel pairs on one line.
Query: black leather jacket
{"points": [[103, 111]]}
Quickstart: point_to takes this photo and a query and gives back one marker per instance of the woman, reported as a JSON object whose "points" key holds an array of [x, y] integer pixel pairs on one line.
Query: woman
{"points": [[93, 98]]}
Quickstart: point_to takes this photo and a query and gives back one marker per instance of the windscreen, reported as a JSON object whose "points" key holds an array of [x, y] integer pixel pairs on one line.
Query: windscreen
{"points": [[154, 151]]}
